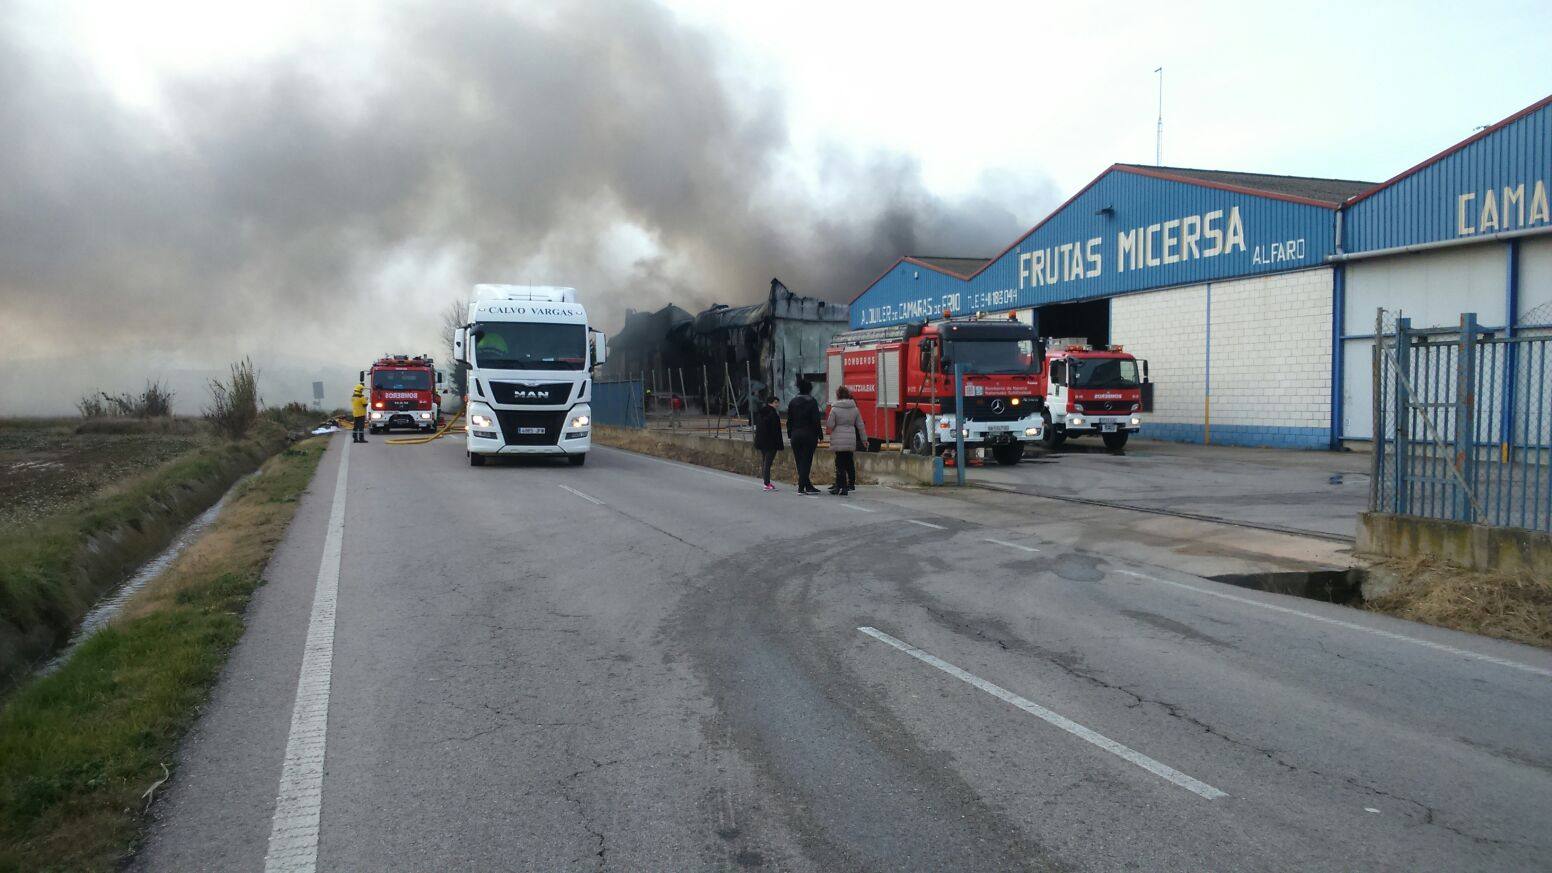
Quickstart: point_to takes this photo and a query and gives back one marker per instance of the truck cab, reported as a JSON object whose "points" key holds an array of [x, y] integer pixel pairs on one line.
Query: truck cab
{"points": [[1088, 390], [530, 354]]}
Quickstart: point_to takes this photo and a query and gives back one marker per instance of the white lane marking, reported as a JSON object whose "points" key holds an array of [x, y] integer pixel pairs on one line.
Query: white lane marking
{"points": [[857, 508], [927, 524], [1351, 625], [1012, 545], [1052, 718], [293, 835], [589, 499]]}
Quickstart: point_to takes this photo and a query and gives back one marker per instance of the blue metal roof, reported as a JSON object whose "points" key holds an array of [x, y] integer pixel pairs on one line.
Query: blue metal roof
{"points": [[1498, 181], [1131, 229]]}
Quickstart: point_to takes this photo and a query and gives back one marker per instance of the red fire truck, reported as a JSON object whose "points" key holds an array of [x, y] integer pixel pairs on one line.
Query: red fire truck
{"points": [[1089, 390], [401, 392], [902, 379]]}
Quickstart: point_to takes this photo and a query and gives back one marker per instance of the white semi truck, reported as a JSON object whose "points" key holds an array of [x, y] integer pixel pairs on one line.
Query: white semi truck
{"points": [[530, 354]]}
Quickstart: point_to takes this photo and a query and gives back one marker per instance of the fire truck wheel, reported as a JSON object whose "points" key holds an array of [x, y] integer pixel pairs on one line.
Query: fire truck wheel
{"points": [[476, 460], [577, 460], [1008, 455], [1115, 442], [1052, 438], [916, 440]]}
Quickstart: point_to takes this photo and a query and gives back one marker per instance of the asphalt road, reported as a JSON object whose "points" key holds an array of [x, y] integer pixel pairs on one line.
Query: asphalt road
{"points": [[638, 665]]}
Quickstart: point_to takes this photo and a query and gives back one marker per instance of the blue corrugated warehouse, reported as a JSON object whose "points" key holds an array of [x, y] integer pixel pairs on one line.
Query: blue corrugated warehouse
{"points": [[1244, 291]]}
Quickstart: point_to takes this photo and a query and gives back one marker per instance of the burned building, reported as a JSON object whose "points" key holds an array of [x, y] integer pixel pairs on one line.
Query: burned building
{"points": [[717, 357]]}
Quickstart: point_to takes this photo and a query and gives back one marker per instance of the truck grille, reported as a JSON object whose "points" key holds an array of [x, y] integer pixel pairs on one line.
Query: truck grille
{"points": [[980, 408], [1108, 405], [543, 394], [512, 420]]}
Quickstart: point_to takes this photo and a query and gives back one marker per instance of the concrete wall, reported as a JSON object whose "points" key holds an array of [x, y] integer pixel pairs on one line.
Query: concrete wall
{"points": [[739, 456], [1476, 546], [1242, 362]]}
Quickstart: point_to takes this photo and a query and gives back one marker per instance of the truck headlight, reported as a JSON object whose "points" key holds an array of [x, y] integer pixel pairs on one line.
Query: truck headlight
{"points": [[377, 416], [425, 415], [581, 421], [1075, 421], [480, 420], [964, 431], [1031, 431], [1136, 422]]}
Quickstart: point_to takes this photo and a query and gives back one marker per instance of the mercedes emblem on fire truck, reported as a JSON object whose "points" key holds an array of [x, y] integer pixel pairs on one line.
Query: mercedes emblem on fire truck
{"points": [[997, 407]]}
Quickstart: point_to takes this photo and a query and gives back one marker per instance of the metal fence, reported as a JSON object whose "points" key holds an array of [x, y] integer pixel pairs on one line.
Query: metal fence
{"points": [[621, 404], [1463, 429]]}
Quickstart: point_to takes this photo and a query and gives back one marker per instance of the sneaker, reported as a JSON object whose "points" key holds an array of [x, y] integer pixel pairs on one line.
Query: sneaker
{"points": [[811, 493], [769, 487]]}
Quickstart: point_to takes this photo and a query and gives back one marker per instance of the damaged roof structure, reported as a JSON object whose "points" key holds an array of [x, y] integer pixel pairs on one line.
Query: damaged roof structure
{"points": [[723, 353]]}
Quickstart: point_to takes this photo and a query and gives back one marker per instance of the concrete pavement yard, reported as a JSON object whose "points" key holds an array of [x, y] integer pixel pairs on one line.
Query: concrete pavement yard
{"points": [[1310, 492], [639, 665]]}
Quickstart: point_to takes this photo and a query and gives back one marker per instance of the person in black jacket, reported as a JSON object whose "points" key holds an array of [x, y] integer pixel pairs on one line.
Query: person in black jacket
{"points": [[767, 437], [803, 429]]}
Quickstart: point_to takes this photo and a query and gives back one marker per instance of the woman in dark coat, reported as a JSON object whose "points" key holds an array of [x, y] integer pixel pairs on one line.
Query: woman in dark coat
{"points": [[767, 437]]}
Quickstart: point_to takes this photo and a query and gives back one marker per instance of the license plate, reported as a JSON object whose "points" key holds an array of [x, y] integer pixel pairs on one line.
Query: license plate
{"points": [[541, 430], [1107, 428], [998, 428]]}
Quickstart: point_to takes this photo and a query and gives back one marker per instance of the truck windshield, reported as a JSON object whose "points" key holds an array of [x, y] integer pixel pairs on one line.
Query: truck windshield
{"points": [[993, 356], [530, 346], [1102, 373], [401, 380]]}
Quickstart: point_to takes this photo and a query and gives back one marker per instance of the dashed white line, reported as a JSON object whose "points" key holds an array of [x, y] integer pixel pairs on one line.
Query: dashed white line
{"points": [[855, 507], [293, 835], [1012, 545], [927, 524], [586, 497], [1130, 755], [1350, 625]]}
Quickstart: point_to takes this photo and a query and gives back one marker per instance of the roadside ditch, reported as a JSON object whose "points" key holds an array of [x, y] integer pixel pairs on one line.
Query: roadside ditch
{"points": [[54, 571]]}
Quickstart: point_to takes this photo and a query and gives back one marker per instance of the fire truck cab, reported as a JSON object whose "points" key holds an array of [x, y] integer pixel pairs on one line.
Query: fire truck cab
{"points": [[401, 392], [1089, 390]]}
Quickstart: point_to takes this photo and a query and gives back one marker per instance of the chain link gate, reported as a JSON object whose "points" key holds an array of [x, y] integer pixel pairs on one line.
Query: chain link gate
{"points": [[1462, 423]]}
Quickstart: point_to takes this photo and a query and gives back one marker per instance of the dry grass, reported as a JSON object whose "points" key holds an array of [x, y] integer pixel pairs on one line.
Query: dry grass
{"points": [[79, 748], [1517, 608]]}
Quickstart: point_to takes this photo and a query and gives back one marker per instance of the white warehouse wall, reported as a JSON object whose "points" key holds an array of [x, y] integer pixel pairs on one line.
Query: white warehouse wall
{"points": [[1168, 329], [1266, 359]]}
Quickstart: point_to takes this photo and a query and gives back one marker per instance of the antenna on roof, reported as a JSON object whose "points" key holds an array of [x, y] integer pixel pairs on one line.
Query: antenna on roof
{"points": [[1158, 137]]}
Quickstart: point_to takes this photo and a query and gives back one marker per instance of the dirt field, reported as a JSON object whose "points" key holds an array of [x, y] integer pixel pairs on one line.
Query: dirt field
{"points": [[47, 467]]}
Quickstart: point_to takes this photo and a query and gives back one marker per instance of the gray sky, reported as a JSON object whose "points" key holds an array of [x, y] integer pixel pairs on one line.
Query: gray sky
{"points": [[311, 184]]}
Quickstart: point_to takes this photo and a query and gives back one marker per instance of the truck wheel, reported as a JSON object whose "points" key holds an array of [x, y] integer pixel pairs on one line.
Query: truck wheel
{"points": [[1008, 455], [916, 440], [1051, 438], [577, 460], [1115, 442], [476, 459]]}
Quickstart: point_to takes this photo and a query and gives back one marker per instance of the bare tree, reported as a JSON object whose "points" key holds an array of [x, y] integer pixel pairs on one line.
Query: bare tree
{"points": [[453, 319]]}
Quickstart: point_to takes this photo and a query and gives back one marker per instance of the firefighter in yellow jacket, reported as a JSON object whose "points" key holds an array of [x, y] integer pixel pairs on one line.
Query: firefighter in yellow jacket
{"points": [[358, 414]]}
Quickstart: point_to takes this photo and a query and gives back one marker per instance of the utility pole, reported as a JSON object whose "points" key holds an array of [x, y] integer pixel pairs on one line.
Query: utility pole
{"points": [[1158, 137]]}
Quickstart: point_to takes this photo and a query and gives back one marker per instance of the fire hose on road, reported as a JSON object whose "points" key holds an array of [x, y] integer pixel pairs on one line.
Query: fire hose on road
{"points": [[440, 432]]}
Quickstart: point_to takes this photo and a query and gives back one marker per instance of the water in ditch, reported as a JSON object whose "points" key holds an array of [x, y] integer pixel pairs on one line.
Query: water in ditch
{"points": [[111, 605]]}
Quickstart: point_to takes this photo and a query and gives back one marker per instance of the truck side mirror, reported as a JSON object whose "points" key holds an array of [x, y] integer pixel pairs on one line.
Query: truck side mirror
{"points": [[361, 376], [600, 349], [1144, 370], [439, 377]]}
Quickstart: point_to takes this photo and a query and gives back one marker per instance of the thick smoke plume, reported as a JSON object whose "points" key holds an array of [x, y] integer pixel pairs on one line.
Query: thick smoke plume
{"points": [[316, 209]]}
